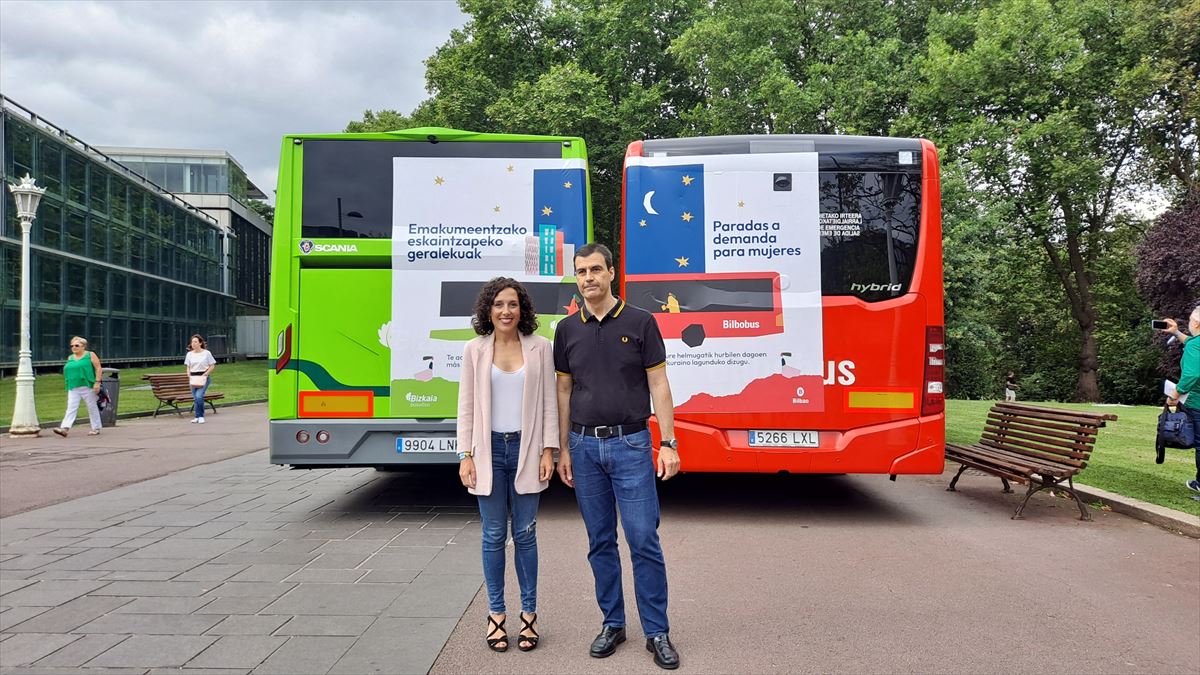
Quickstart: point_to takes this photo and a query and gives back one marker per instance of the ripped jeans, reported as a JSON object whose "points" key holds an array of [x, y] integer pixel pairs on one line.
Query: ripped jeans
{"points": [[494, 511]]}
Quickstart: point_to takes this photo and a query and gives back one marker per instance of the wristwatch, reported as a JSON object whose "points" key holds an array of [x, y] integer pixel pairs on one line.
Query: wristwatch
{"points": [[672, 444]]}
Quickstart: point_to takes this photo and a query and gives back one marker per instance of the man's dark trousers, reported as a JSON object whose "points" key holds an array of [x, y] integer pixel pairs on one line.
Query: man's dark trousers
{"points": [[611, 473]]}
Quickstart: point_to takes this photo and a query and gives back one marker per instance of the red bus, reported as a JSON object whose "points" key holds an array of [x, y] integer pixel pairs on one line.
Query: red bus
{"points": [[797, 280]]}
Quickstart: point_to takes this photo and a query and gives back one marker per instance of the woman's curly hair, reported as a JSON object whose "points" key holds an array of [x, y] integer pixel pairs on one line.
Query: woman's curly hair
{"points": [[482, 321]]}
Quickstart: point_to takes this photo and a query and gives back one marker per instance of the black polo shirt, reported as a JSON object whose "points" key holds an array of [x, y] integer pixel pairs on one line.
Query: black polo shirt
{"points": [[608, 360]]}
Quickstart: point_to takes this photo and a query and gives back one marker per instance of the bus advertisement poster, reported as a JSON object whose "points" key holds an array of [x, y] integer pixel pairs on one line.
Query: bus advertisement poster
{"points": [[725, 251], [456, 224]]}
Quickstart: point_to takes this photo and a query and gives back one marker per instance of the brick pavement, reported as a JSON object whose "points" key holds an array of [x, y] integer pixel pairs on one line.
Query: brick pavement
{"points": [[241, 567]]}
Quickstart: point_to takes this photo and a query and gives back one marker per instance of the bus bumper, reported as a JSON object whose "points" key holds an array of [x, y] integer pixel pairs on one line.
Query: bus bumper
{"points": [[911, 446], [357, 442]]}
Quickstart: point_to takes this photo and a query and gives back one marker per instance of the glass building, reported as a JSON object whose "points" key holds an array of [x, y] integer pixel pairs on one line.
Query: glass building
{"points": [[214, 182], [115, 258]]}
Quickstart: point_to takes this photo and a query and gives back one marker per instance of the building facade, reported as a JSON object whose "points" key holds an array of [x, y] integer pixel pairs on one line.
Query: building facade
{"points": [[115, 258], [214, 182]]}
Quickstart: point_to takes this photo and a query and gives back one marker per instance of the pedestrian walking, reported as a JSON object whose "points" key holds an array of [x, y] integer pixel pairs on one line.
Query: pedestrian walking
{"points": [[1189, 380], [1011, 386], [507, 435], [199, 364], [81, 374], [611, 362]]}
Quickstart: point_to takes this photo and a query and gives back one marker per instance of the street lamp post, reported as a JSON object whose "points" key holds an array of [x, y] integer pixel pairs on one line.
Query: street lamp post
{"points": [[24, 421]]}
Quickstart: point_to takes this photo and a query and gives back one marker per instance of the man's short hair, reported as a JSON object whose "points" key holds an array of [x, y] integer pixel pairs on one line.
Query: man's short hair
{"points": [[1195, 312], [595, 247]]}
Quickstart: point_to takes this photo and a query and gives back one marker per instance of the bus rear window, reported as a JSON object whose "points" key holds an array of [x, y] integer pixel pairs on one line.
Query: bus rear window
{"points": [[870, 224], [348, 183]]}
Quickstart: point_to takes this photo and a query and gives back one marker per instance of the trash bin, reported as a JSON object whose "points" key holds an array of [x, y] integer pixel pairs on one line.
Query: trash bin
{"points": [[111, 381]]}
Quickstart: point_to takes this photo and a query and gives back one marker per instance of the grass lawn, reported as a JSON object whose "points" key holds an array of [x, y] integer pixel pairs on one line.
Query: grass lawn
{"points": [[241, 381], [1123, 461]]}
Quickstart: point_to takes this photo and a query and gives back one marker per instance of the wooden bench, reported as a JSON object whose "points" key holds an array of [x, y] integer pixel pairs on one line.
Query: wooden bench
{"points": [[1030, 444], [172, 388]]}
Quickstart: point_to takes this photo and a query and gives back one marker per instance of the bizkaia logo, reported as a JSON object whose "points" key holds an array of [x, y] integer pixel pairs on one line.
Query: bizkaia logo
{"points": [[307, 246], [421, 400], [875, 288]]}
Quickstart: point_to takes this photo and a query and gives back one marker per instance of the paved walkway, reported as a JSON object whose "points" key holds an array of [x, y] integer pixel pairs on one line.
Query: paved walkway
{"points": [[243, 566], [46, 470], [240, 567]]}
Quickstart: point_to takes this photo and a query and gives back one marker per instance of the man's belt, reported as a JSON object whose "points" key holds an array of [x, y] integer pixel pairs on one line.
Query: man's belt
{"points": [[609, 431]]}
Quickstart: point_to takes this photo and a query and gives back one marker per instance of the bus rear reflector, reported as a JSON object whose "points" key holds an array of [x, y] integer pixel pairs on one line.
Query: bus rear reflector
{"points": [[337, 404], [933, 400], [880, 400]]}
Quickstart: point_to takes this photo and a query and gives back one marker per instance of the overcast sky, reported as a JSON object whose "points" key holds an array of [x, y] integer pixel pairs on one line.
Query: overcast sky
{"points": [[233, 76]]}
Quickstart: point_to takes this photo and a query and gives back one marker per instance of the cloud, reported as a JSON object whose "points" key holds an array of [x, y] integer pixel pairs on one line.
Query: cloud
{"points": [[235, 76]]}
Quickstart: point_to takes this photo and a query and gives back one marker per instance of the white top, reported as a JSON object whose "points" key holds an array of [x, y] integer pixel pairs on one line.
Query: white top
{"points": [[507, 391], [198, 362]]}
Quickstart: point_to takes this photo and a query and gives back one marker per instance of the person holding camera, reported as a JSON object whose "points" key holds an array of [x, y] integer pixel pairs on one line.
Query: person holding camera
{"points": [[1189, 379]]}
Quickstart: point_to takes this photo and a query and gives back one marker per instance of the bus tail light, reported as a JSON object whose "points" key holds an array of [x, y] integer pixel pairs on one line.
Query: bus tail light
{"points": [[302, 436], [933, 399], [322, 437]]}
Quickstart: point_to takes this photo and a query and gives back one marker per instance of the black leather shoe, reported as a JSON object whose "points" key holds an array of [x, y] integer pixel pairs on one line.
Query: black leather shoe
{"points": [[606, 642], [665, 655]]}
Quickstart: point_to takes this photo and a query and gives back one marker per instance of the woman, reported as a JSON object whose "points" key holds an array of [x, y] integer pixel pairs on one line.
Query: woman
{"points": [[82, 376], [199, 364], [507, 434], [1189, 380]]}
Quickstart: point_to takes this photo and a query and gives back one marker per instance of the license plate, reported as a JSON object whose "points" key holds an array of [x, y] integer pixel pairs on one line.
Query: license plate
{"points": [[412, 444], [773, 438]]}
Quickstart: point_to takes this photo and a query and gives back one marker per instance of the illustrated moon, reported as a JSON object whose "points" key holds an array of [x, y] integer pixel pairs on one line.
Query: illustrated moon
{"points": [[646, 203]]}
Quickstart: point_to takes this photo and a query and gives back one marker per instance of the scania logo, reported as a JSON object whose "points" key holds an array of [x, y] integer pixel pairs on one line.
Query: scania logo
{"points": [[307, 246]]}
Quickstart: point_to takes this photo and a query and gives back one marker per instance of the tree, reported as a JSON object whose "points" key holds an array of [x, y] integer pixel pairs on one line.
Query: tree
{"points": [[1045, 101], [263, 209]]}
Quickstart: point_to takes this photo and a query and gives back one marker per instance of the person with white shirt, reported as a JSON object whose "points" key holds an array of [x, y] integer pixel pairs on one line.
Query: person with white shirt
{"points": [[507, 435], [199, 363]]}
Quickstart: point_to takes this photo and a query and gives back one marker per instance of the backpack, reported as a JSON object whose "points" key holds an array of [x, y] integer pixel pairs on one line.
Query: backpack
{"points": [[1175, 430]]}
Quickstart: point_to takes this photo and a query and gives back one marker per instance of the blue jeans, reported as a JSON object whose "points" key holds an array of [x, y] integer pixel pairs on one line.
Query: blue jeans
{"points": [[612, 473], [198, 397], [1194, 413], [494, 510]]}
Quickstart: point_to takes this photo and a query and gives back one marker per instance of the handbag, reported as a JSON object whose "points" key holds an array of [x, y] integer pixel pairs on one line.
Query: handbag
{"points": [[198, 380], [102, 398], [1175, 430]]}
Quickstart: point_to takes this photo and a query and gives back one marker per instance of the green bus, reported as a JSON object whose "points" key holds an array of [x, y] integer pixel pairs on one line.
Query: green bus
{"points": [[381, 243]]}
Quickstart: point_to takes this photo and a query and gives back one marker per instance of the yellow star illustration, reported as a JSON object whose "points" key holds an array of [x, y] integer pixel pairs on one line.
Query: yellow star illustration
{"points": [[687, 180], [496, 209], [741, 203], [546, 210], [439, 180], [683, 262], [567, 185], [642, 222], [510, 168], [687, 217]]}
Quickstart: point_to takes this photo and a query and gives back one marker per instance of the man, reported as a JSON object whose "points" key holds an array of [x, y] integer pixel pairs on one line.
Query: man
{"points": [[611, 362]]}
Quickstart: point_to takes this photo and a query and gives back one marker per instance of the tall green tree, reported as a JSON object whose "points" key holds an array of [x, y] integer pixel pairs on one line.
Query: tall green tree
{"points": [[1045, 100]]}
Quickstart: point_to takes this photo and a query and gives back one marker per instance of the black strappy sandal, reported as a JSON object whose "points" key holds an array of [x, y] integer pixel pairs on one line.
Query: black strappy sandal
{"points": [[493, 627], [527, 643]]}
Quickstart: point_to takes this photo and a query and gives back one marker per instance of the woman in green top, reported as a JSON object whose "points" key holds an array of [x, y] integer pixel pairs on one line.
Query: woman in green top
{"points": [[82, 375]]}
